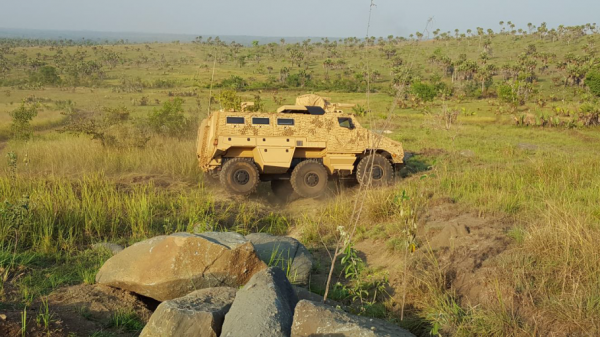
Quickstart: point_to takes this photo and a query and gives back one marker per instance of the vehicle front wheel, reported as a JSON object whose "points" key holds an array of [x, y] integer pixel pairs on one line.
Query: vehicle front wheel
{"points": [[309, 179], [374, 170], [239, 176]]}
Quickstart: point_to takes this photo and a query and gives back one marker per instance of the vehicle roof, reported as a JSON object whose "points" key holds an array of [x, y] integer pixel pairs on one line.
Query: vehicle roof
{"points": [[311, 110]]}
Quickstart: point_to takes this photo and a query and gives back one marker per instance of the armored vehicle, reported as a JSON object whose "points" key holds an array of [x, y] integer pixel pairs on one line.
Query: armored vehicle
{"points": [[302, 145]]}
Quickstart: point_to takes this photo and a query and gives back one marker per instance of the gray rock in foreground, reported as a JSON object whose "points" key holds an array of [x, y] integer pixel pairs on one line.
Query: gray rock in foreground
{"points": [[284, 252], [198, 314], [168, 267], [264, 307], [313, 319]]}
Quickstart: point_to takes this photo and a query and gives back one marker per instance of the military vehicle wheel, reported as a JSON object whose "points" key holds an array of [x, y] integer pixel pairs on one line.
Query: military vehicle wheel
{"points": [[239, 176], [283, 190], [374, 170], [309, 179]]}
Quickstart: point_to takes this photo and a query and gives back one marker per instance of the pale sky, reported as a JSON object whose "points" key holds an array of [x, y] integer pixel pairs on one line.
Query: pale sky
{"points": [[333, 18]]}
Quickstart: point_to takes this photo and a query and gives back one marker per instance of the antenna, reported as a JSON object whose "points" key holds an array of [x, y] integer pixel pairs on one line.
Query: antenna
{"points": [[212, 78]]}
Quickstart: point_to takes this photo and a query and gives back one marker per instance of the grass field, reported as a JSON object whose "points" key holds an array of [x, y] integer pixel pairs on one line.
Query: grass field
{"points": [[535, 189]]}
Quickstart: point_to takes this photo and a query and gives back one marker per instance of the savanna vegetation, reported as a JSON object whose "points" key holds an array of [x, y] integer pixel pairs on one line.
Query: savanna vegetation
{"points": [[97, 142]]}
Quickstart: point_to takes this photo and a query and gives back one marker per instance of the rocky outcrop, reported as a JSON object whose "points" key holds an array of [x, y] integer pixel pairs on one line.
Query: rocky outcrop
{"points": [[286, 253], [264, 307], [198, 314], [314, 319], [168, 267]]}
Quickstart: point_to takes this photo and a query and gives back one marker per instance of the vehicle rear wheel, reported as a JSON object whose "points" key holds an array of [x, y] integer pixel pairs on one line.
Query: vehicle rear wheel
{"points": [[283, 190], [374, 170], [239, 176], [309, 179]]}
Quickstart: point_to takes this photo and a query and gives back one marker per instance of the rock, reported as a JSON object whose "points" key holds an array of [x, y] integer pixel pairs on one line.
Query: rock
{"points": [[264, 307], [111, 247], [284, 252], [313, 319], [467, 153], [304, 294], [198, 314], [168, 267]]}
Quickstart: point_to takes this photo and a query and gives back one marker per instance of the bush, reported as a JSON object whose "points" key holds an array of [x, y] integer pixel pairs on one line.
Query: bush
{"points": [[45, 75], [424, 91], [114, 128], [21, 118], [169, 120], [506, 93], [592, 80], [230, 101], [233, 82]]}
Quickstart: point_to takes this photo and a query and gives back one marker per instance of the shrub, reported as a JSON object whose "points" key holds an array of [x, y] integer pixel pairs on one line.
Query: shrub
{"points": [[230, 101], [233, 82], [424, 91], [592, 80], [45, 75], [21, 118], [169, 120]]}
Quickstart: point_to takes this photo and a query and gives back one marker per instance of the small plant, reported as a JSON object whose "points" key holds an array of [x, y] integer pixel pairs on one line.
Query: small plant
{"points": [[12, 165], [24, 322], [359, 110], [126, 320], [258, 104], [21, 119], [44, 316], [282, 260]]}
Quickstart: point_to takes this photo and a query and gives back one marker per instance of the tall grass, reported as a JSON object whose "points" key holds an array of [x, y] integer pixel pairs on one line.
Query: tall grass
{"points": [[66, 155]]}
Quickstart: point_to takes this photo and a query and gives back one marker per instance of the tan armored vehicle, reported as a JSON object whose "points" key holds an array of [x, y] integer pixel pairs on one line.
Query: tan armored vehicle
{"points": [[301, 145]]}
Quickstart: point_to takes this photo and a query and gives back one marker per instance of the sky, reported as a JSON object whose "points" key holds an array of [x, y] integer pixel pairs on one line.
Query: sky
{"points": [[323, 18]]}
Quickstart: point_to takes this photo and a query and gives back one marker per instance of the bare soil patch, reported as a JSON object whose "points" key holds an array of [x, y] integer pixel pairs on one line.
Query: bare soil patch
{"points": [[463, 244], [82, 309]]}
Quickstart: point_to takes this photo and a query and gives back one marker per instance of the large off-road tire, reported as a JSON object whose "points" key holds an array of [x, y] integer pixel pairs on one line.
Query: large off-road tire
{"points": [[374, 170], [283, 190], [309, 179], [239, 176]]}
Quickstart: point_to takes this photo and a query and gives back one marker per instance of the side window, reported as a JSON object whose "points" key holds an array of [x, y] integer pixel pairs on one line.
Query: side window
{"points": [[285, 121], [260, 120], [235, 120], [346, 122]]}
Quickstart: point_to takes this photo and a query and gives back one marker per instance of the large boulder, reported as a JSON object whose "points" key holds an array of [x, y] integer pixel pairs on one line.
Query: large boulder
{"points": [[286, 253], [315, 319], [264, 307], [168, 267], [198, 314]]}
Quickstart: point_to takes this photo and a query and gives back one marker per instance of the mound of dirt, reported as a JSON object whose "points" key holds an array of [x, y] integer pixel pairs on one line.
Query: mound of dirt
{"points": [[463, 244], [82, 309]]}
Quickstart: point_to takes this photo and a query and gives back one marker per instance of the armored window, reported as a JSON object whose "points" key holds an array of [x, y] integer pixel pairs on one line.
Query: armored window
{"points": [[346, 122], [260, 120], [285, 121], [235, 120]]}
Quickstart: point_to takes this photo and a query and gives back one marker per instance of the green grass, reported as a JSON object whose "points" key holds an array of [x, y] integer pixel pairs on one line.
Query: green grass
{"points": [[126, 321], [69, 191]]}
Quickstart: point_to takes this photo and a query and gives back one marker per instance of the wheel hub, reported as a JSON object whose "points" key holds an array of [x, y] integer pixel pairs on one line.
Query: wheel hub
{"points": [[377, 172], [241, 177], [311, 179]]}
